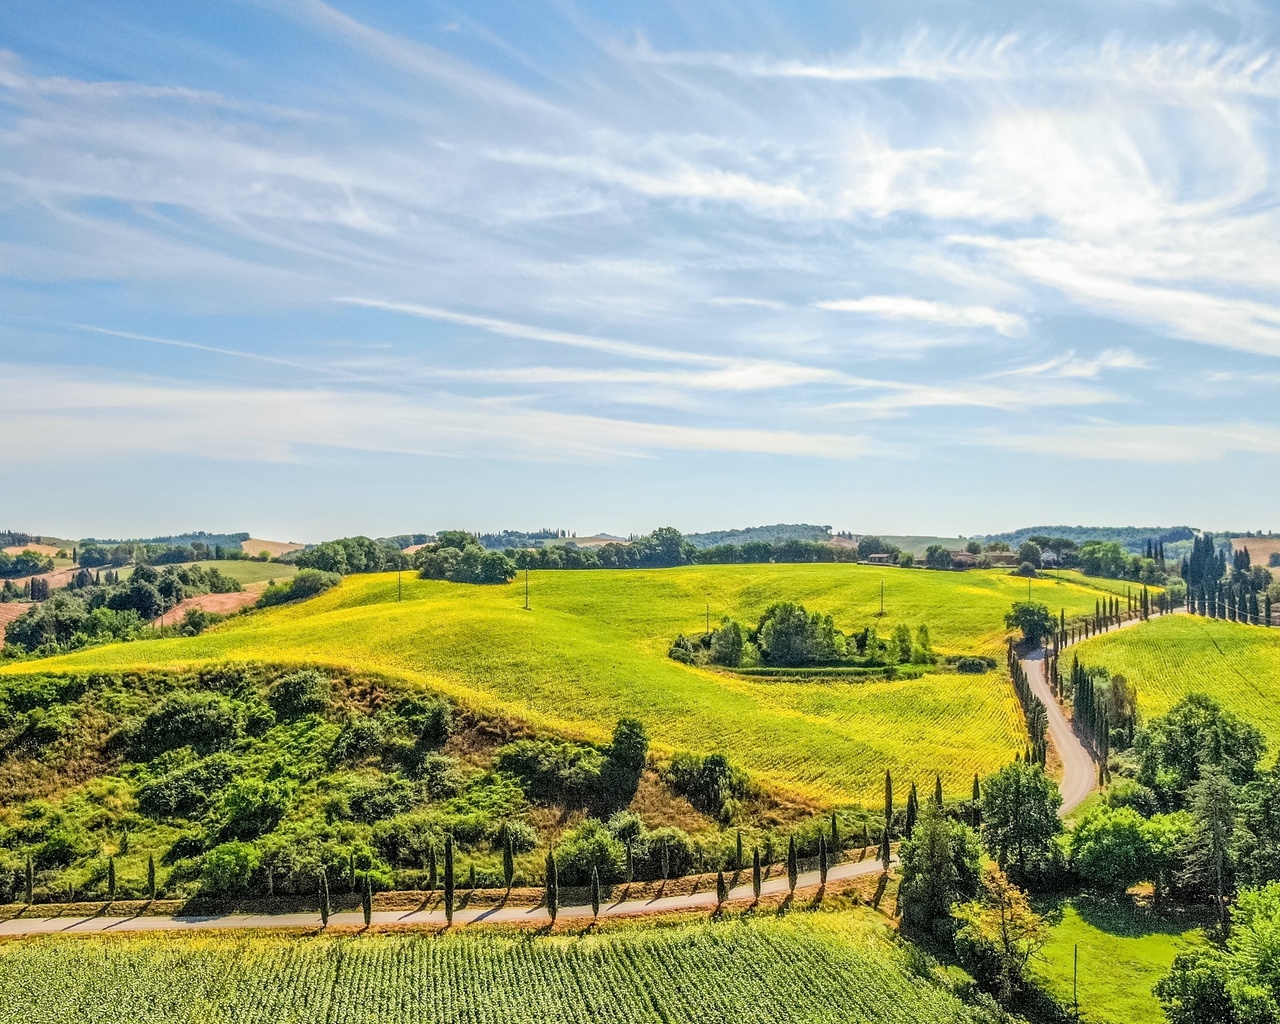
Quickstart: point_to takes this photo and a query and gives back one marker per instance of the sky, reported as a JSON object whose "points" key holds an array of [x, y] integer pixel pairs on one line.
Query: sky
{"points": [[312, 269]]}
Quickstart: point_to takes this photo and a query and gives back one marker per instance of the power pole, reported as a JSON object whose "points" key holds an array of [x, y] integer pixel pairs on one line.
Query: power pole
{"points": [[882, 599], [1075, 976], [399, 586], [526, 590], [708, 616]]}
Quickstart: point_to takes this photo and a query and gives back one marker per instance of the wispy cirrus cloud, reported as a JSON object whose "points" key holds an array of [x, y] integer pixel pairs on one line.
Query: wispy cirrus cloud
{"points": [[901, 307]]}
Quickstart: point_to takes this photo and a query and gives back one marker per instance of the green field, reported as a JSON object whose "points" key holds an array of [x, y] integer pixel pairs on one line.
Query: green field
{"points": [[811, 967], [1171, 656], [244, 572], [1124, 951], [593, 648]]}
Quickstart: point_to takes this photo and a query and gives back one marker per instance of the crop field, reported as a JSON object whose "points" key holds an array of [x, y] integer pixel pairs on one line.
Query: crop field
{"points": [[1171, 656], [593, 649], [251, 575], [813, 967], [1124, 951]]}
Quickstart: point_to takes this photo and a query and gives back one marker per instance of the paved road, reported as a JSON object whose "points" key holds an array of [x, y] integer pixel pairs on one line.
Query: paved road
{"points": [[1079, 770], [420, 918]]}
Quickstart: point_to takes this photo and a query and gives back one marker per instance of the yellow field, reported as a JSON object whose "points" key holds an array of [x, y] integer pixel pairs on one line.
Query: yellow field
{"points": [[1171, 656], [593, 648]]}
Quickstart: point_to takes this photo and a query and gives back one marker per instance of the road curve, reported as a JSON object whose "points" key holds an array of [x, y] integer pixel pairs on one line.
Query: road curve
{"points": [[1079, 771], [537, 916]]}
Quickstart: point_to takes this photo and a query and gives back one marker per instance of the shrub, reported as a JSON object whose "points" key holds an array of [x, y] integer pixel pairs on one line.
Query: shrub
{"points": [[228, 869], [308, 583], [710, 783], [590, 845], [553, 772], [361, 737], [187, 792], [203, 721], [972, 666], [679, 852], [253, 807], [301, 693]]}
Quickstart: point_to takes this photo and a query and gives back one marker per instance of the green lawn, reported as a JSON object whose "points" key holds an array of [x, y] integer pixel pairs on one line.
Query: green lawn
{"points": [[593, 648], [1171, 656], [1124, 951]]}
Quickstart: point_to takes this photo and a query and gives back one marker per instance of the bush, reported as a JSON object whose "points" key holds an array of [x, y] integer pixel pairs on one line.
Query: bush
{"points": [[228, 869], [553, 772], [301, 693], [253, 807], [710, 783], [307, 583], [187, 792], [590, 845], [972, 666], [361, 737], [203, 721]]}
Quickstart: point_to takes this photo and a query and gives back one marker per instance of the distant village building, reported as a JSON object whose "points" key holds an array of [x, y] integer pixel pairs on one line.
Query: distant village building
{"points": [[882, 559]]}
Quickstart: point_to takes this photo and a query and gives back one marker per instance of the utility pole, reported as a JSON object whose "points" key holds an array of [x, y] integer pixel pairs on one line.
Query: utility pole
{"points": [[708, 617], [399, 586], [1075, 976], [526, 590], [882, 599]]}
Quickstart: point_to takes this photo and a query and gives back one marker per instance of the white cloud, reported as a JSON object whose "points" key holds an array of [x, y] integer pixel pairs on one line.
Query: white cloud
{"points": [[1070, 365], [1142, 443], [899, 307]]}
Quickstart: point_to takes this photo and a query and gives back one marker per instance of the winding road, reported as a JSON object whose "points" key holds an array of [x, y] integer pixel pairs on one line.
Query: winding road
{"points": [[1079, 770], [103, 924]]}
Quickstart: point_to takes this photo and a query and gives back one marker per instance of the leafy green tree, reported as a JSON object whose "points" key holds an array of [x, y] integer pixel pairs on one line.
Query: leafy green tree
{"points": [[941, 865], [1020, 818], [1116, 847], [624, 763], [999, 933], [1032, 619], [936, 556], [727, 644], [1195, 735], [1208, 861]]}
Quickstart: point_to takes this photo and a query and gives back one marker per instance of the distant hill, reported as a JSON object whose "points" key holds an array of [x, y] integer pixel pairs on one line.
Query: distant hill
{"points": [[768, 534], [226, 540], [1131, 538]]}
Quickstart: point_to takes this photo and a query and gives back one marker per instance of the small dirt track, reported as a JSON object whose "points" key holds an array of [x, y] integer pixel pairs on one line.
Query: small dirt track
{"points": [[423, 918]]}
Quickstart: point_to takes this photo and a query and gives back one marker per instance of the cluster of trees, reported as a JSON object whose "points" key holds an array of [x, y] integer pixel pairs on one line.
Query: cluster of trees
{"points": [[94, 609], [25, 563], [790, 636], [349, 555], [306, 583], [1104, 708], [458, 557], [1238, 591], [1033, 710]]}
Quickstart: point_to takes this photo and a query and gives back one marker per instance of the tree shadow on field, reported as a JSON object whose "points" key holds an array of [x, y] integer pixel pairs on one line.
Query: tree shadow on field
{"points": [[1135, 919], [881, 885]]}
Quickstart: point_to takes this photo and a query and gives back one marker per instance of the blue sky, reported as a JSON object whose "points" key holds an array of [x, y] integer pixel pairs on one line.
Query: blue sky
{"points": [[309, 269]]}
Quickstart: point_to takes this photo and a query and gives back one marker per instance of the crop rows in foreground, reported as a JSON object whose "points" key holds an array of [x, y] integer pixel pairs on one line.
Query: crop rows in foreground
{"points": [[824, 967]]}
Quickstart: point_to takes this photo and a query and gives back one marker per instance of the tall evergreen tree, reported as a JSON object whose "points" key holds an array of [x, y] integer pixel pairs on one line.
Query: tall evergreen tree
{"points": [[835, 836], [366, 900], [448, 879], [822, 859], [937, 790], [432, 871], [111, 878], [324, 899], [595, 891], [977, 802], [866, 840], [755, 872], [508, 861], [30, 881], [151, 876], [884, 856], [552, 894], [737, 858], [722, 889], [793, 864], [888, 801], [913, 811]]}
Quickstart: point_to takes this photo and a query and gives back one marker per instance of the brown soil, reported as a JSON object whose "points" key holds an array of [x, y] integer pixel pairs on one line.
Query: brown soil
{"points": [[9, 612], [274, 548], [48, 550], [221, 604]]}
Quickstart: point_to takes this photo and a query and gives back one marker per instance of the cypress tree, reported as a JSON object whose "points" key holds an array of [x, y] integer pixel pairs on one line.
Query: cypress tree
{"points": [[977, 801], [793, 864], [111, 878], [835, 836], [324, 899], [432, 874], [552, 887], [366, 900], [722, 889], [508, 861], [937, 791], [471, 877], [151, 876], [448, 880], [351, 871], [888, 801], [884, 855], [866, 840], [595, 891], [737, 859], [912, 812], [755, 872], [822, 858], [631, 863], [666, 861], [31, 881]]}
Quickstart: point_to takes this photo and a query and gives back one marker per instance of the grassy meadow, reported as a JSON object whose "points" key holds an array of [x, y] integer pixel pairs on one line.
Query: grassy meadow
{"points": [[1124, 951], [593, 648], [804, 967], [1171, 656], [250, 575]]}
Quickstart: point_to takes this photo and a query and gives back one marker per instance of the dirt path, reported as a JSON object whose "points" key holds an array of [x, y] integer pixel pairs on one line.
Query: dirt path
{"points": [[223, 604], [422, 918]]}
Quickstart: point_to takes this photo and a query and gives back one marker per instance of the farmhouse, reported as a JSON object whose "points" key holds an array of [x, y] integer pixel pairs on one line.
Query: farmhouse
{"points": [[880, 559]]}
